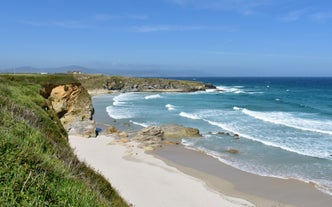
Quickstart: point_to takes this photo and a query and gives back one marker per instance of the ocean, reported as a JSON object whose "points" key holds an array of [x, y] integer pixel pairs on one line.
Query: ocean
{"points": [[284, 124]]}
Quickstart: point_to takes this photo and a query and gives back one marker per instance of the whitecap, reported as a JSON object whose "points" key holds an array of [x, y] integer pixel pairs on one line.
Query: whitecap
{"points": [[119, 113], [189, 116], [170, 107], [289, 120], [155, 96], [124, 98], [235, 108], [268, 143], [235, 90], [210, 90], [140, 124]]}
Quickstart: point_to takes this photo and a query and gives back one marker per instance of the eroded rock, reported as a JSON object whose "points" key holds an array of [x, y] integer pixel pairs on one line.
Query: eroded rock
{"points": [[73, 105], [150, 137], [83, 128], [155, 136], [179, 131]]}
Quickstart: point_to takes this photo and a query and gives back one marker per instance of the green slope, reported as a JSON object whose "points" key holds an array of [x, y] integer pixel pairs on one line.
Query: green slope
{"points": [[38, 168]]}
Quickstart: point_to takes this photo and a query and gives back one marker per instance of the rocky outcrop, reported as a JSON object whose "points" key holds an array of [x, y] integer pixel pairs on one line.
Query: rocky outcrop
{"points": [[83, 128], [150, 136], [179, 131], [233, 151], [127, 84], [73, 105], [154, 136]]}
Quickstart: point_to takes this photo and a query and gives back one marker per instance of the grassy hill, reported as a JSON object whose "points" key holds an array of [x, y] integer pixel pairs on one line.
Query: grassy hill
{"points": [[38, 167]]}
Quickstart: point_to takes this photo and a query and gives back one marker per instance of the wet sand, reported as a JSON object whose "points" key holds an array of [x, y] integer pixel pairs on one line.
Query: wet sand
{"points": [[259, 190]]}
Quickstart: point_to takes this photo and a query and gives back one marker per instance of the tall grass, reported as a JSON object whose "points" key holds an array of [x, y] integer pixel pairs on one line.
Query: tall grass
{"points": [[38, 167]]}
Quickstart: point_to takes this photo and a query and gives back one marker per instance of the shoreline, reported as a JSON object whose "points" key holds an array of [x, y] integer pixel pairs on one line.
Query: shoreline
{"points": [[260, 190], [144, 180]]}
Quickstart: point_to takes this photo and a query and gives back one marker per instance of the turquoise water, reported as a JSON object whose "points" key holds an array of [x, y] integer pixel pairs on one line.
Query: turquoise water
{"points": [[285, 124]]}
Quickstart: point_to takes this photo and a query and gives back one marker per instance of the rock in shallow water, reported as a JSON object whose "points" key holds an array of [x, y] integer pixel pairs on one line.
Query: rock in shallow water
{"points": [[153, 136], [179, 131], [150, 136]]}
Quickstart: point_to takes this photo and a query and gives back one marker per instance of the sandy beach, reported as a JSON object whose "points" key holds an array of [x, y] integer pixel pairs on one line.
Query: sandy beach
{"points": [[259, 190], [144, 180], [175, 176]]}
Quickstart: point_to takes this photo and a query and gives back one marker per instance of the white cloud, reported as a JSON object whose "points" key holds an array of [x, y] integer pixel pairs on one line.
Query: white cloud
{"points": [[321, 16], [297, 15], [68, 24], [108, 17], [161, 28], [71, 24], [293, 15], [270, 55], [89, 22], [244, 7]]}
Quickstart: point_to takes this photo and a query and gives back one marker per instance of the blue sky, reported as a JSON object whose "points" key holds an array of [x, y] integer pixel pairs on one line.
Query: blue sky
{"points": [[216, 37]]}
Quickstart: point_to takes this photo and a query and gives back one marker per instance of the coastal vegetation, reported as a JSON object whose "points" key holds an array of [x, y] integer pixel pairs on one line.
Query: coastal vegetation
{"points": [[38, 167]]}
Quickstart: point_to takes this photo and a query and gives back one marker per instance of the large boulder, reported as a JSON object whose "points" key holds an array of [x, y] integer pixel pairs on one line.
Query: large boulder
{"points": [[150, 136], [179, 131], [83, 128], [154, 136]]}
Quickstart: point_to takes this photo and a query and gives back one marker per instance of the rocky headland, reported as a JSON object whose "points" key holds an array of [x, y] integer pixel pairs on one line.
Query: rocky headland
{"points": [[73, 105], [101, 84]]}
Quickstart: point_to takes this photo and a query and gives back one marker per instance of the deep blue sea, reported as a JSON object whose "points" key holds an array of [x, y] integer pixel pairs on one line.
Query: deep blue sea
{"points": [[285, 124]]}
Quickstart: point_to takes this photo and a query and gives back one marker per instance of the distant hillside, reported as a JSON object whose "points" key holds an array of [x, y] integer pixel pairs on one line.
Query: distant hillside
{"points": [[119, 70]]}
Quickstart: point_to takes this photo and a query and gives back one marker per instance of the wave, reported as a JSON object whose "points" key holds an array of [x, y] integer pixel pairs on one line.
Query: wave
{"points": [[123, 98], [140, 124], [324, 186], [235, 108], [267, 143], [211, 90], [227, 89], [117, 101], [222, 158], [235, 90], [289, 120], [152, 96], [115, 113], [170, 107], [189, 116]]}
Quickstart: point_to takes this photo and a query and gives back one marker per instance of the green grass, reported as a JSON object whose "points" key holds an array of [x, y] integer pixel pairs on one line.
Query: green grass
{"points": [[38, 167]]}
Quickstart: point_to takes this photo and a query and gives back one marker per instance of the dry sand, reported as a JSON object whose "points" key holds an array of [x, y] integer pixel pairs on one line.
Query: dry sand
{"points": [[144, 180]]}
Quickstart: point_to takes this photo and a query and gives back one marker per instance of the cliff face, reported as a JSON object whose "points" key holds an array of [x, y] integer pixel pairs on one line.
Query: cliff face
{"points": [[73, 105]]}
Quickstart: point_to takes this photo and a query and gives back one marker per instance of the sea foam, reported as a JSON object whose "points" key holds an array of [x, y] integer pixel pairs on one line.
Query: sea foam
{"points": [[289, 120], [170, 107], [189, 116], [117, 113], [152, 96]]}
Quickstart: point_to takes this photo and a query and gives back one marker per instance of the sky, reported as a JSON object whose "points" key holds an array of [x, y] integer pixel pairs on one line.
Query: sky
{"points": [[210, 37]]}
